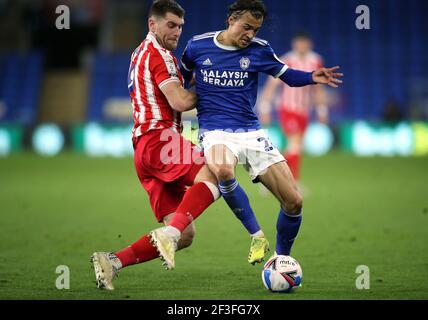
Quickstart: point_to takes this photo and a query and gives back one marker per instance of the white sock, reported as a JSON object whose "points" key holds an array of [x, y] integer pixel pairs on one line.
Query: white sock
{"points": [[258, 234], [115, 261], [173, 231]]}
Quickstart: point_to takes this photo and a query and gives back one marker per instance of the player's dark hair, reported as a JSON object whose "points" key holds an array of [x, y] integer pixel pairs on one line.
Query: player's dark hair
{"points": [[256, 7], [160, 8], [302, 35]]}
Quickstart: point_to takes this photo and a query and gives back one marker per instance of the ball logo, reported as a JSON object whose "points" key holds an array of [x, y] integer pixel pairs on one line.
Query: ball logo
{"points": [[245, 63], [286, 262]]}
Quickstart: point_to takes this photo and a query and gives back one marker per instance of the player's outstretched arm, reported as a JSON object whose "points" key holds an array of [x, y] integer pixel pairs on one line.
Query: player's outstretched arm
{"points": [[327, 76], [179, 98]]}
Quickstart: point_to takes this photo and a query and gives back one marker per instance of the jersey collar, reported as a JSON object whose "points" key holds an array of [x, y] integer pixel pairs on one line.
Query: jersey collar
{"points": [[152, 37], [222, 46]]}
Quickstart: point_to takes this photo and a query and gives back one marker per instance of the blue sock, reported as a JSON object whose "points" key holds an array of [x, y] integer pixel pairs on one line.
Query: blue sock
{"points": [[287, 228], [237, 200]]}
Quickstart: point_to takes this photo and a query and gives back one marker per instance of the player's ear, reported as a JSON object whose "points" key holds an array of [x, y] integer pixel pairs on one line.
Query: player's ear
{"points": [[153, 22], [231, 21]]}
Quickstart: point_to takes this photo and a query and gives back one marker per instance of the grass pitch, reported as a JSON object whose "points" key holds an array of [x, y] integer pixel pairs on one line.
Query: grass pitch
{"points": [[357, 211]]}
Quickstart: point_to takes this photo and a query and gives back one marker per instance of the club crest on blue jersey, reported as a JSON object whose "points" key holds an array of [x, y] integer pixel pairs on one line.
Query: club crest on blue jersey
{"points": [[245, 63]]}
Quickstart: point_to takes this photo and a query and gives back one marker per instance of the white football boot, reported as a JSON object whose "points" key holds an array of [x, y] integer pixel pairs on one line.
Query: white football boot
{"points": [[166, 244], [106, 266]]}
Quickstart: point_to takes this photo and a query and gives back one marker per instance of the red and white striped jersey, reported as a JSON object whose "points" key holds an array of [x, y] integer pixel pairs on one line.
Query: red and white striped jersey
{"points": [[152, 67], [294, 99]]}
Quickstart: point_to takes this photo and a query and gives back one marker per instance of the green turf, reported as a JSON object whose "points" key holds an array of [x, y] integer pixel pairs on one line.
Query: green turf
{"points": [[357, 211]]}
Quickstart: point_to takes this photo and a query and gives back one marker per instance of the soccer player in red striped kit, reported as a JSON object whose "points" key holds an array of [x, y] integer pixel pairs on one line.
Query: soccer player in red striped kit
{"points": [[294, 103], [171, 169]]}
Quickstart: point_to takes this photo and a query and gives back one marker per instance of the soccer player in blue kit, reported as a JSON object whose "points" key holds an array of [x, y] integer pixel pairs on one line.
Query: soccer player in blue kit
{"points": [[225, 65]]}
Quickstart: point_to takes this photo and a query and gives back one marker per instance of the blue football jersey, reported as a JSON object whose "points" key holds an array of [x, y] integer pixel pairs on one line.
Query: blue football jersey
{"points": [[227, 80]]}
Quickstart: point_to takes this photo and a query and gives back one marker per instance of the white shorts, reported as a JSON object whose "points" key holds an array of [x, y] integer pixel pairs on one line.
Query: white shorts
{"points": [[253, 149]]}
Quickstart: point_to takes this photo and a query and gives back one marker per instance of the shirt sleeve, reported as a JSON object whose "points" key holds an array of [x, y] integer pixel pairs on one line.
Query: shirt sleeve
{"points": [[187, 63], [270, 63], [164, 69], [297, 78]]}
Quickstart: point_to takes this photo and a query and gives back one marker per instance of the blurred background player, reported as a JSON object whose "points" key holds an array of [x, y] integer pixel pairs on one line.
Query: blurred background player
{"points": [[158, 98], [294, 104]]}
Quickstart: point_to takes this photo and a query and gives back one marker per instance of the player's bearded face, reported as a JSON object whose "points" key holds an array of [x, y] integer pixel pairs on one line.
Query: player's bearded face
{"points": [[168, 30], [244, 29]]}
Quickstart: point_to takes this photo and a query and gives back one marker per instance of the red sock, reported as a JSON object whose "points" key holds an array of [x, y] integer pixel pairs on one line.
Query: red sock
{"points": [[196, 199], [140, 251], [293, 160]]}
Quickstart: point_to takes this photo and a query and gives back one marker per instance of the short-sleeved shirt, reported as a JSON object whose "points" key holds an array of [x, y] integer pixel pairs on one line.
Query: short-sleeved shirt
{"points": [[152, 67]]}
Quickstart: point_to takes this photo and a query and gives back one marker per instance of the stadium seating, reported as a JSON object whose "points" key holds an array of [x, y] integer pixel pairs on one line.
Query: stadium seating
{"points": [[108, 80], [380, 64], [20, 82]]}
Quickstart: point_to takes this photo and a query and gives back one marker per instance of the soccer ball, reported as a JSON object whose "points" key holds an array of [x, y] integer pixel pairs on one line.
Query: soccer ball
{"points": [[282, 274]]}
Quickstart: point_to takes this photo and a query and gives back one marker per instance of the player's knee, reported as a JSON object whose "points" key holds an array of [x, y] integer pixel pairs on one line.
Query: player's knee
{"points": [[294, 207], [224, 173], [206, 176]]}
